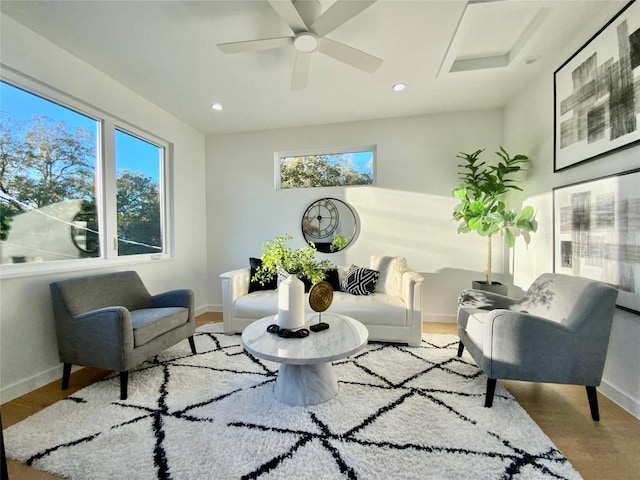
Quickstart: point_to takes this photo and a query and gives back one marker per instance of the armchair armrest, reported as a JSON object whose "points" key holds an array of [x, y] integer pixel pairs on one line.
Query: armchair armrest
{"points": [[175, 298], [484, 299], [89, 338], [528, 347]]}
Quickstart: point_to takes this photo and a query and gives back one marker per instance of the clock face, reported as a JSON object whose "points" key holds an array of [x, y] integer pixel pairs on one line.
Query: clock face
{"points": [[321, 219]]}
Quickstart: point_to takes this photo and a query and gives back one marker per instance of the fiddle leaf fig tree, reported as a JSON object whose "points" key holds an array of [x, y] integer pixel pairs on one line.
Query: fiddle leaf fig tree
{"points": [[482, 209]]}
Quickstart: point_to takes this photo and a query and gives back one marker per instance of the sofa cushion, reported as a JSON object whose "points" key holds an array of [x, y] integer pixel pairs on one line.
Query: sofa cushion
{"points": [[254, 285], [375, 309], [360, 281], [146, 324], [256, 305], [391, 270]]}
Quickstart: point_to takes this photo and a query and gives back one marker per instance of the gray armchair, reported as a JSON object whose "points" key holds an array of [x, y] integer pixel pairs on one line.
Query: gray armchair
{"points": [[111, 321], [558, 332]]}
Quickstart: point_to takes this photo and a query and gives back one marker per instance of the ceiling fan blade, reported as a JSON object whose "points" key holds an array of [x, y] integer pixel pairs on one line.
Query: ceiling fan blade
{"points": [[349, 55], [289, 14], [301, 68], [339, 13], [255, 45]]}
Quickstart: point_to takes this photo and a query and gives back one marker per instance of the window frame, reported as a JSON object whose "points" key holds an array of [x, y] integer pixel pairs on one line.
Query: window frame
{"points": [[105, 185], [324, 151]]}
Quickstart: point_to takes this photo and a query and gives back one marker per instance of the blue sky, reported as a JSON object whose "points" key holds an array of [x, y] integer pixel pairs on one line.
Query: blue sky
{"points": [[362, 161], [132, 153]]}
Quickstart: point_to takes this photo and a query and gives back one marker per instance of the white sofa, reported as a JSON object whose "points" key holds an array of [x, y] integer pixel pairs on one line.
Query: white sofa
{"points": [[388, 317]]}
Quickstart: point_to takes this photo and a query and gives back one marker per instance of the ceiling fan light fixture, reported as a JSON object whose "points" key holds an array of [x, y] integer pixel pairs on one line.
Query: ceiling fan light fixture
{"points": [[306, 42]]}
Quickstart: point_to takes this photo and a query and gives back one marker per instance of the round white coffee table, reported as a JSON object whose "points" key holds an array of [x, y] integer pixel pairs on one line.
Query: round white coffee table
{"points": [[306, 376]]}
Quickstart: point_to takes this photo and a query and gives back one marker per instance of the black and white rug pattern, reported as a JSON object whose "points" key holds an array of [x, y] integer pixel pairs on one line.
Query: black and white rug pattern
{"points": [[400, 412]]}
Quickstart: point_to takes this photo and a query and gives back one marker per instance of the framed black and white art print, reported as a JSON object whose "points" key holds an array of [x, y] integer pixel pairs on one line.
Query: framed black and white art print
{"points": [[597, 233], [597, 93]]}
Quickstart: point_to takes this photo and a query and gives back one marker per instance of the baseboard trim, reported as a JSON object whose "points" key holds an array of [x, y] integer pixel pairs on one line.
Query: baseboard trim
{"points": [[439, 318], [208, 308], [30, 384], [620, 398]]}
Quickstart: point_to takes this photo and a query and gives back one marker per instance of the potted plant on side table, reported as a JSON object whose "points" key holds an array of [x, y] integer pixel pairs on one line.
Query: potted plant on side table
{"points": [[482, 209], [293, 264]]}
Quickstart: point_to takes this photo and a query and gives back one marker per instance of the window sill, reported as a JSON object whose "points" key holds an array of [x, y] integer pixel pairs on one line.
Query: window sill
{"points": [[18, 270]]}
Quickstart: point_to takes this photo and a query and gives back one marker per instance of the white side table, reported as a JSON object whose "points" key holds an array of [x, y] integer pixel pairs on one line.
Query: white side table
{"points": [[306, 375]]}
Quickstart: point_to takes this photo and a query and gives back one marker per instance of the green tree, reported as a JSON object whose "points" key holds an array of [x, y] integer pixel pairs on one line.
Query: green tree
{"points": [[44, 162], [320, 171], [139, 228]]}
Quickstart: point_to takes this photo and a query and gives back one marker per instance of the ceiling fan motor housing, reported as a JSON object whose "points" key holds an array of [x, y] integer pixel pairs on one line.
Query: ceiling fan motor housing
{"points": [[306, 42]]}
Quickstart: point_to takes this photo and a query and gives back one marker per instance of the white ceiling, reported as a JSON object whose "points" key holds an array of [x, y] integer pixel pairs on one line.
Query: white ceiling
{"points": [[166, 51]]}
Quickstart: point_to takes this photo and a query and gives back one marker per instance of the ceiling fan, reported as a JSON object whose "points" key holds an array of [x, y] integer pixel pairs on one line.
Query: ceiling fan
{"points": [[309, 30]]}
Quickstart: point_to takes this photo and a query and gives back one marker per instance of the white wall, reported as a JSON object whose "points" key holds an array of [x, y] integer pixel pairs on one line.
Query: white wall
{"points": [[529, 128], [29, 357], [407, 213]]}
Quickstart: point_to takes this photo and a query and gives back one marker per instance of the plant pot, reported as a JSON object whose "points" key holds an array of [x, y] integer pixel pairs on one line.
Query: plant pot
{"points": [[494, 287], [291, 303]]}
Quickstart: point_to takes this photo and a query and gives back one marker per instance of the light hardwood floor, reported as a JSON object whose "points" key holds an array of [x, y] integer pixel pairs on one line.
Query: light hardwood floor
{"points": [[609, 449]]}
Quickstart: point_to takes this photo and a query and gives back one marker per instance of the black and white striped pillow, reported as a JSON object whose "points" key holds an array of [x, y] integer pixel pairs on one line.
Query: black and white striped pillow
{"points": [[360, 281]]}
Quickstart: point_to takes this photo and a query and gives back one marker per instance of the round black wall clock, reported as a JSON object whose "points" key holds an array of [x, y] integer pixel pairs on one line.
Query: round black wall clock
{"points": [[320, 219], [330, 224]]}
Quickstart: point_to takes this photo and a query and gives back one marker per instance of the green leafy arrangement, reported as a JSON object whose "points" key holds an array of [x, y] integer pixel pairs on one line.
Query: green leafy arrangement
{"points": [[278, 258], [481, 208], [339, 242]]}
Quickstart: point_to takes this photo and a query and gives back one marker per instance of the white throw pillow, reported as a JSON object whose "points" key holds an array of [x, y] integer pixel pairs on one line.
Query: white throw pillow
{"points": [[391, 270]]}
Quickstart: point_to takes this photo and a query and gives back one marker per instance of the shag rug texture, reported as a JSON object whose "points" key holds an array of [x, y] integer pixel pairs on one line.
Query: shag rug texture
{"points": [[400, 413]]}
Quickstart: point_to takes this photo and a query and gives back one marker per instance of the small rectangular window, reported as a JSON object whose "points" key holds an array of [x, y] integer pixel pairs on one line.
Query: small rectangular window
{"points": [[326, 169]]}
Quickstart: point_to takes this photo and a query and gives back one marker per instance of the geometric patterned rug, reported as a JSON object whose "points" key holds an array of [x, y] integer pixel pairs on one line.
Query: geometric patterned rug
{"points": [[400, 412]]}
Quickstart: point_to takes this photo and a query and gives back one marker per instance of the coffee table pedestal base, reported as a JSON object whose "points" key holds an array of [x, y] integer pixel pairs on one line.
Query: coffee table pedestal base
{"points": [[305, 384]]}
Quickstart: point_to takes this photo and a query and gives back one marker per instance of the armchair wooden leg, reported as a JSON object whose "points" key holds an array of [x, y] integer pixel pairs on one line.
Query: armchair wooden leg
{"points": [[593, 403], [66, 375], [491, 388], [460, 348], [192, 344], [124, 381]]}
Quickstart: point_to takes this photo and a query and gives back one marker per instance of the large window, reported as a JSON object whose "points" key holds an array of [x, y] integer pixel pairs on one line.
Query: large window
{"points": [[74, 183], [355, 166]]}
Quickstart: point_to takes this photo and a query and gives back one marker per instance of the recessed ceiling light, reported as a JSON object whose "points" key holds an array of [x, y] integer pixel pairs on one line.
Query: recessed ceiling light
{"points": [[216, 106], [398, 87]]}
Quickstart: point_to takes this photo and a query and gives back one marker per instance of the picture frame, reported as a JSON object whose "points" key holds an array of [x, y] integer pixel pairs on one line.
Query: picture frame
{"points": [[595, 109], [596, 233]]}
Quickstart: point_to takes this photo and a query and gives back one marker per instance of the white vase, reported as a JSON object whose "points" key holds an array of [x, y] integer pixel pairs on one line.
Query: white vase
{"points": [[291, 303]]}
